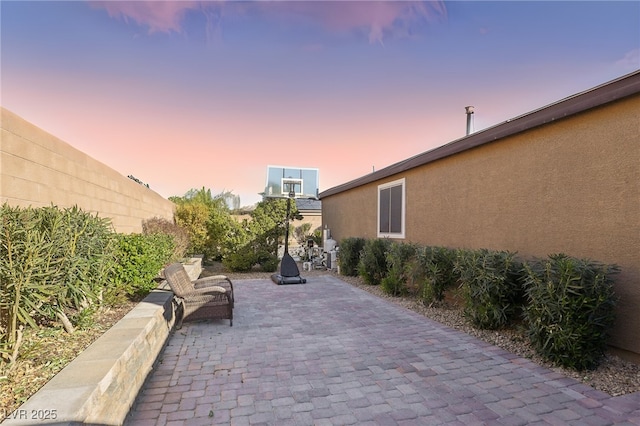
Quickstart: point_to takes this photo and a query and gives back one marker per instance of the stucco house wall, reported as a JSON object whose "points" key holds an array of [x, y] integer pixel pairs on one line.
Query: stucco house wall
{"points": [[37, 169], [570, 185]]}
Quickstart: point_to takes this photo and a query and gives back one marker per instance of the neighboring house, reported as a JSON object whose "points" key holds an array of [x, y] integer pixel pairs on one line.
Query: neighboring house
{"points": [[562, 179], [311, 211]]}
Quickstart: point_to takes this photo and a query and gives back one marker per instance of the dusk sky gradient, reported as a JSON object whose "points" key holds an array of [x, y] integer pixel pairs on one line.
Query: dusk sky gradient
{"points": [[189, 94]]}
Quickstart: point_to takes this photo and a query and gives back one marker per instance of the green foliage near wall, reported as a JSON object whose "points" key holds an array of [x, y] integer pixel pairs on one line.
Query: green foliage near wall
{"points": [[53, 264], [432, 273], [57, 265], [373, 261], [567, 303], [207, 220], [179, 235], [570, 309], [214, 232], [140, 258], [350, 251], [398, 258], [491, 286], [256, 241]]}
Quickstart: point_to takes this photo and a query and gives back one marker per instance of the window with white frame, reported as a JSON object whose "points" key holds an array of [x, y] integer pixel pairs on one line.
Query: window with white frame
{"points": [[391, 209]]}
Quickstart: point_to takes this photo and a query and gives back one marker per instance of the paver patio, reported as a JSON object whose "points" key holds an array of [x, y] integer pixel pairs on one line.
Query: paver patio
{"points": [[328, 353]]}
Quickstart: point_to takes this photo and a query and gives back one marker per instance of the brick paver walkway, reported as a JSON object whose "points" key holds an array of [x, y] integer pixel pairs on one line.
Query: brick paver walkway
{"points": [[327, 353]]}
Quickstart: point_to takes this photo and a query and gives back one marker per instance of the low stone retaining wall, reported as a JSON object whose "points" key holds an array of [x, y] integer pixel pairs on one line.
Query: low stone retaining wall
{"points": [[101, 384]]}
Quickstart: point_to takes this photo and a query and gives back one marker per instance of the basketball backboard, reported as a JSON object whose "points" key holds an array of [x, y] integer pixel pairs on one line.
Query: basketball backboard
{"points": [[283, 180]]}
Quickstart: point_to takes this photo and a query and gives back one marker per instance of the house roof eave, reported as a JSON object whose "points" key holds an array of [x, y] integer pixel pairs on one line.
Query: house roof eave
{"points": [[611, 91]]}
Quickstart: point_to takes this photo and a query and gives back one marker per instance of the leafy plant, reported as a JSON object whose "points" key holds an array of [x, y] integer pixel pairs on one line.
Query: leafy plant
{"points": [[490, 286], [398, 256], [180, 235], [240, 261], [349, 258], [207, 220], [140, 259], [53, 264], [373, 261], [268, 262], [194, 218], [432, 272], [570, 309], [24, 258]]}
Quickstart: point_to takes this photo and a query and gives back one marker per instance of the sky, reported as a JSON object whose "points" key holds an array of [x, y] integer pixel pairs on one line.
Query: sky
{"points": [[192, 94]]}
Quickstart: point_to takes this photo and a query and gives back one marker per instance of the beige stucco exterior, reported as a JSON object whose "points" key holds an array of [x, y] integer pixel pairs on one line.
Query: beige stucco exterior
{"points": [[37, 169], [570, 186]]}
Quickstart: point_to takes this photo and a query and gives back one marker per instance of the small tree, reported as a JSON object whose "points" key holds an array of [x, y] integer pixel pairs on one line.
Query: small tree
{"points": [[207, 219], [257, 240]]}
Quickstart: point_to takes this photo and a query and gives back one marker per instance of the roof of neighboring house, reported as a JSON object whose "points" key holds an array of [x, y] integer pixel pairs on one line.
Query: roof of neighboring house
{"points": [[308, 204], [611, 91]]}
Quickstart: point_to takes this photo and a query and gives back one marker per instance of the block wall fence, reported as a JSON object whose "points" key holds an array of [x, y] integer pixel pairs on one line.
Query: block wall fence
{"points": [[37, 169]]}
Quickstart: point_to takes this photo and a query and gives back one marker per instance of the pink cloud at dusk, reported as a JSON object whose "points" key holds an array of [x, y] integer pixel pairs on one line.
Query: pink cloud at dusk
{"points": [[377, 18], [158, 16]]}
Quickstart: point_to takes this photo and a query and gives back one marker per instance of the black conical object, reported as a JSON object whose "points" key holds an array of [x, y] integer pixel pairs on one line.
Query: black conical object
{"points": [[289, 272]]}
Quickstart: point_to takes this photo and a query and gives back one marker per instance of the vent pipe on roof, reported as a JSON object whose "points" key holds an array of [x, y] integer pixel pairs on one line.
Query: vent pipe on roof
{"points": [[469, 110]]}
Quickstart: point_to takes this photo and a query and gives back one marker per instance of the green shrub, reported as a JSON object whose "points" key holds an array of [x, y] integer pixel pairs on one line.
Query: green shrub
{"points": [[398, 257], [180, 235], [570, 309], [83, 260], [53, 265], [140, 258], [240, 261], [490, 286], [269, 263], [207, 220], [432, 273], [349, 258], [373, 261]]}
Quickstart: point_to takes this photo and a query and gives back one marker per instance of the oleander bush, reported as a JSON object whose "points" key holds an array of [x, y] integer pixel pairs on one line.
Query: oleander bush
{"points": [[432, 273], [567, 304], [373, 265], [54, 264], [398, 258], [570, 309], [350, 251], [491, 286]]}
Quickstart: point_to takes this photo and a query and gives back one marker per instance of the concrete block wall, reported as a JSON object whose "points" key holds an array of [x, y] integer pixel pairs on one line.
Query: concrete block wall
{"points": [[38, 169]]}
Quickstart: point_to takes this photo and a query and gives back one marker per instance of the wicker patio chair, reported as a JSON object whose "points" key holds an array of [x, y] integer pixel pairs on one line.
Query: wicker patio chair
{"points": [[215, 281], [209, 301]]}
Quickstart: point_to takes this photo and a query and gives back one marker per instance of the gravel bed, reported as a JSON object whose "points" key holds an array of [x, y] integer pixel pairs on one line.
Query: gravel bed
{"points": [[615, 376]]}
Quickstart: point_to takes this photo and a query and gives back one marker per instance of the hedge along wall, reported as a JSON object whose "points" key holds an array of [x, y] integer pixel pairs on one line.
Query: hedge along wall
{"points": [[570, 186], [38, 169]]}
